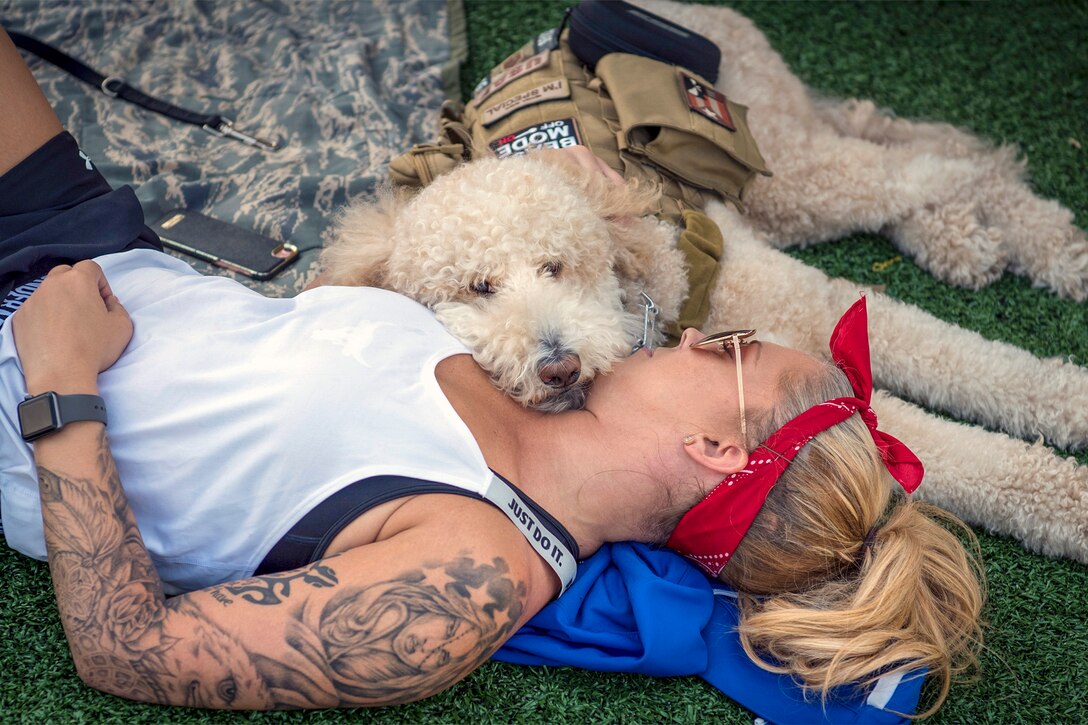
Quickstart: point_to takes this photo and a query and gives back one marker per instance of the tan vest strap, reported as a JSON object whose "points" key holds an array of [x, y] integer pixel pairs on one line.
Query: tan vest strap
{"points": [[702, 245]]}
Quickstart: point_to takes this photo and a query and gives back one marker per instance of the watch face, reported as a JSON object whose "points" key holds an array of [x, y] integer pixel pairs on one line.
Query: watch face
{"points": [[38, 415]]}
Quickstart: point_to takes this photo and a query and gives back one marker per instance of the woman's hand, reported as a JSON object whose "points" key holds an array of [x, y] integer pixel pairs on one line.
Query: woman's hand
{"points": [[71, 329]]}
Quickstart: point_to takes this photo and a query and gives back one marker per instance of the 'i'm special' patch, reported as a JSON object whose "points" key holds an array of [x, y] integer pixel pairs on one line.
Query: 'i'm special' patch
{"points": [[535, 49], [559, 134], [706, 101], [550, 91]]}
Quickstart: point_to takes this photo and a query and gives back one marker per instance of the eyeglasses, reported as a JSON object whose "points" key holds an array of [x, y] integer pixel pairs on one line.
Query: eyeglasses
{"points": [[735, 339]]}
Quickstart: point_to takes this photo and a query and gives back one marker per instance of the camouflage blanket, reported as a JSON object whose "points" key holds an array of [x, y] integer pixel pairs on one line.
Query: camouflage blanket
{"points": [[344, 85]]}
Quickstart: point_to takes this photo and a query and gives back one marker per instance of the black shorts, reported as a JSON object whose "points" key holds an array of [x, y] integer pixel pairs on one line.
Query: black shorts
{"points": [[55, 208]]}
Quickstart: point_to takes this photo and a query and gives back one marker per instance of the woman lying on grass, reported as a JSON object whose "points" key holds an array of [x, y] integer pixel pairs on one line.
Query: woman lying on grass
{"points": [[307, 502]]}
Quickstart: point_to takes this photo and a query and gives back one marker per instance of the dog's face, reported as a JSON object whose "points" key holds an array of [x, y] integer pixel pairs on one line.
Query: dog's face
{"points": [[516, 259]]}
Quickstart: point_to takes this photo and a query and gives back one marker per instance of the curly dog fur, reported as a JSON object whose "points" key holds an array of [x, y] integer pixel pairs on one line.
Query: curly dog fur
{"points": [[526, 262], [958, 205]]}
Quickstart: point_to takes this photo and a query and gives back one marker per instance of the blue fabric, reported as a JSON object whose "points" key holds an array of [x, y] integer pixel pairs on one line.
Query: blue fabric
{"points": [[635, 608]]}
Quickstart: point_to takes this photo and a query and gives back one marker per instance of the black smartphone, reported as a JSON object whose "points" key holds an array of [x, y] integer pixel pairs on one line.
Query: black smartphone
{"points": [[223, 244]]}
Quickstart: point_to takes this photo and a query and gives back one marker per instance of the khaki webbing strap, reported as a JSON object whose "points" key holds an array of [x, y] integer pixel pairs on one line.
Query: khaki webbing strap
{"points": [[424, 163], [702, 245]]}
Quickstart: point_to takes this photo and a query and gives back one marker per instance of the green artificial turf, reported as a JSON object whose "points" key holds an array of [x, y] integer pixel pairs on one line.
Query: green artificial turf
{"points": [[1012, 72]]}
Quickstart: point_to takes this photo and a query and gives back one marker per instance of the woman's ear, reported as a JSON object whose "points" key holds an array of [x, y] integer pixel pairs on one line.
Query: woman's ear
{"points": [[722, 457], [363, 241]]}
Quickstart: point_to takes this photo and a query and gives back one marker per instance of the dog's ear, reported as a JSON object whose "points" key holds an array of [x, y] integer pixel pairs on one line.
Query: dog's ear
{"points": [[644, 254], [637, 246], [646, 259], [363, 240], [620, 205], [611, 200]]}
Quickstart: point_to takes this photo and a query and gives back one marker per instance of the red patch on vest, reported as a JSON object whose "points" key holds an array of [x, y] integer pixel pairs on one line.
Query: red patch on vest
{"points": [[706, 101]]}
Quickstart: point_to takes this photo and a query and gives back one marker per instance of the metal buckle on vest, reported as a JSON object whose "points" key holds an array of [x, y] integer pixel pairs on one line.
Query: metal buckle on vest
{"points": [[650, 312], [226, 129]]}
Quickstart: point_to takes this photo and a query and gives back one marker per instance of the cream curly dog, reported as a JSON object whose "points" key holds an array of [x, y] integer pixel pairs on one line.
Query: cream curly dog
{"points": [[531, 265], [525, 261]]}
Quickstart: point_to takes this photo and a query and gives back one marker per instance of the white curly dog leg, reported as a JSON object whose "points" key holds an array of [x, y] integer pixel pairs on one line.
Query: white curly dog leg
{"points": [[1008, 486], [915, 355]]}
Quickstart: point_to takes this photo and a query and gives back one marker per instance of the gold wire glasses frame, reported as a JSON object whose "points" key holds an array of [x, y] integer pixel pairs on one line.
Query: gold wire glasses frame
{"points": [[734, 338]]}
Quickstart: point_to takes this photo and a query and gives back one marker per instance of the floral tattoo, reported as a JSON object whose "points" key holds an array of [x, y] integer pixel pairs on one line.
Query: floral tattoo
{"points": [[363, 643]]}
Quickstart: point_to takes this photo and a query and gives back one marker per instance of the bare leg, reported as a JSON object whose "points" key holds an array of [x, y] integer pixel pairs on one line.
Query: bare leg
{"points": [[26, 119]]}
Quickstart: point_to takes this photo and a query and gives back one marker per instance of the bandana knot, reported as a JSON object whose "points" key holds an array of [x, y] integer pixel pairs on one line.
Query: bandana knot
{"points": [[711, 531]]}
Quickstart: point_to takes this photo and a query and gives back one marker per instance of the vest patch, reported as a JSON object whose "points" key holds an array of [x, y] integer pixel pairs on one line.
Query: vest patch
{"points": [[548, 40], [481, 85], [549, 91], [512, 73], [706, 101], [559, 134]]}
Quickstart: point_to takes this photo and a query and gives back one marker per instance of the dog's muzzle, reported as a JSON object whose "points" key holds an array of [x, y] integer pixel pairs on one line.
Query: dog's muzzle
{"points": [[560, 371]]}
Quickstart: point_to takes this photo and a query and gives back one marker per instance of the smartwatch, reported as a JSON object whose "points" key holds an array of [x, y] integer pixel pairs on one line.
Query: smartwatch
{"points": [[40, 415]]}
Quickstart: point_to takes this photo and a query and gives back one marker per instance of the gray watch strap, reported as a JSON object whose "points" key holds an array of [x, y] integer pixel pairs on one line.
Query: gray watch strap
{"points": [[40, 415], [81, 407]]}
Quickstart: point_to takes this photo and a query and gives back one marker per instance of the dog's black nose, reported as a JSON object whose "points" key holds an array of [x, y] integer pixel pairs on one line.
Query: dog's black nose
{"points": [[561, 374]]}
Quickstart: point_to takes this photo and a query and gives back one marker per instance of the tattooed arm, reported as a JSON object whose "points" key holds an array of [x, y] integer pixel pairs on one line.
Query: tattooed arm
{"points": [[379, 624], [346, 631]]}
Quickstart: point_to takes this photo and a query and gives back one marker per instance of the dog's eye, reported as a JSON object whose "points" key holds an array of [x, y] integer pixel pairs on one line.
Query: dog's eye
{"points": [[482, 288], [552, 269]]}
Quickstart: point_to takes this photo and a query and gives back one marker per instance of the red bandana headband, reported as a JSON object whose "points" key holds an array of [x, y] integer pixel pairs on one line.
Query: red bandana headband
{"points": [[712, 530]]}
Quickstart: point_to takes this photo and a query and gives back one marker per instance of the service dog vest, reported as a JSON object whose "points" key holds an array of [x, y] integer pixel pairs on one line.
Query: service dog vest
{"points": [[648, 120]]}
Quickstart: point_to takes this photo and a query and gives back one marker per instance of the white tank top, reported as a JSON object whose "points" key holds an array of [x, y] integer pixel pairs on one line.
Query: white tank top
{"points": [[223, 423]]}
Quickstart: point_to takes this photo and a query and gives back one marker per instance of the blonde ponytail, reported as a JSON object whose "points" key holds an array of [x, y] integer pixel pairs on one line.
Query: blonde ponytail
{"points": [[820, 604]]}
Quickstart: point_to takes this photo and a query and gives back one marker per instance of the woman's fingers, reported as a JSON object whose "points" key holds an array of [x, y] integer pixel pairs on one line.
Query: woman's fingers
{"points": [[72, 328]]}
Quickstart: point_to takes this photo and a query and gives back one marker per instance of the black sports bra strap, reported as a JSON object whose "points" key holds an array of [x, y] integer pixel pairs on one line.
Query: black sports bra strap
{"points": [[309, 538], [542, 531], [311, 535]]}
